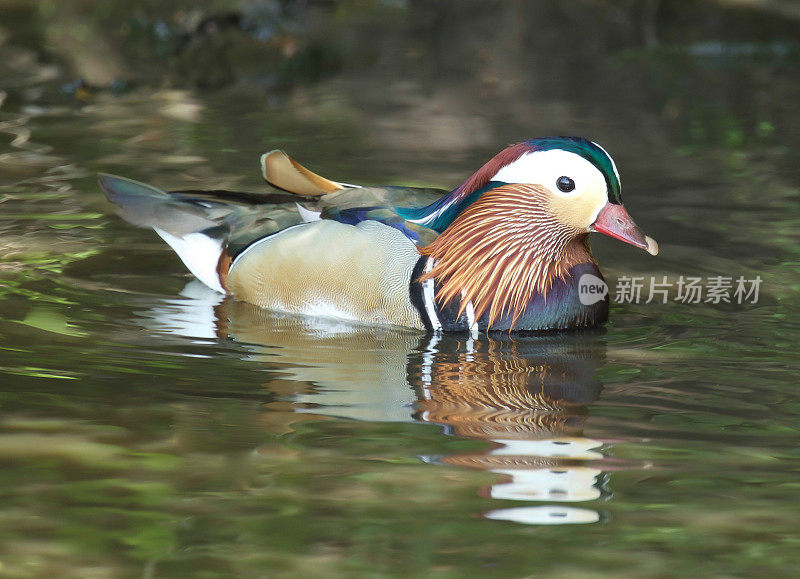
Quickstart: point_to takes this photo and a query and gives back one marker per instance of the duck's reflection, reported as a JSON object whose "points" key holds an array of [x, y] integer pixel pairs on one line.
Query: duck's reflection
{"points": [[526, 396]]}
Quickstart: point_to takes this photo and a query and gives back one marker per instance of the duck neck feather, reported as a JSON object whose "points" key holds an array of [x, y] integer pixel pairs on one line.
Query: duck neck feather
{"points": [[502, 250]]}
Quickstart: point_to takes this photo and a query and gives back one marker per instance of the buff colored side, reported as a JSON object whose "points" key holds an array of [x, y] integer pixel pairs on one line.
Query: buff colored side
{"points": [[359, 273]]}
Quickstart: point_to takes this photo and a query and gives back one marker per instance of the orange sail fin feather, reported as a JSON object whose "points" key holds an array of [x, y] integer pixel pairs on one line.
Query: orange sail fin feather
{"points": [[283, 172]]}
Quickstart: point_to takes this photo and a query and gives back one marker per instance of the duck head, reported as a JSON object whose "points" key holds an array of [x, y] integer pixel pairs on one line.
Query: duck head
{"points": [[581, 183], [522, 221]]}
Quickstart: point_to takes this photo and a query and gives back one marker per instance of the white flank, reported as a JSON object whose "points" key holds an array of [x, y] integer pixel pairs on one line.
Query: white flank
{"points": [[199, 253], [307, 215]]}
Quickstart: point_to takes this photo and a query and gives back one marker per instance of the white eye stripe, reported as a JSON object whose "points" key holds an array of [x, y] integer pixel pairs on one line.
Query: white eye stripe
{"points": [[613, 164], [547, 167]]}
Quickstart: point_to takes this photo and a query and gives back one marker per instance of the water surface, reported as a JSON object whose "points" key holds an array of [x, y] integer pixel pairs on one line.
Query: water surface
{"points": [[150, 428]]}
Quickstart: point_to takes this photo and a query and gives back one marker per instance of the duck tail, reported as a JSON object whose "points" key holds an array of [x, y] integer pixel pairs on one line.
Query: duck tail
{"points": [[283, 172], [192, 229]]}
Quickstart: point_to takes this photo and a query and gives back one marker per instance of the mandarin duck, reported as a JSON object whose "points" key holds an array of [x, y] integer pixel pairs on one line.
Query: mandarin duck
{"points": [[505, 250]]}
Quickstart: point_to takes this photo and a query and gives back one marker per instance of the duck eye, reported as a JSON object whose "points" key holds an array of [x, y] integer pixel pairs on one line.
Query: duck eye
{"points": [[565, 184]]}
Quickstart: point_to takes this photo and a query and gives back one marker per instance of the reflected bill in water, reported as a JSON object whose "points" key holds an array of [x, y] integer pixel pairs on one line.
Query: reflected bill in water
{"points": [[527, 396]]}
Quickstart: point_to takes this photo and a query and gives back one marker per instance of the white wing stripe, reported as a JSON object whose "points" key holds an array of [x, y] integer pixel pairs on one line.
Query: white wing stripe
{"points": [[429, 298], [473, 323]]}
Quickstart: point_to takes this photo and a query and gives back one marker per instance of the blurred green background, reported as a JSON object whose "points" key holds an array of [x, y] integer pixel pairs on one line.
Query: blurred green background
{"points": [[149, 430]]}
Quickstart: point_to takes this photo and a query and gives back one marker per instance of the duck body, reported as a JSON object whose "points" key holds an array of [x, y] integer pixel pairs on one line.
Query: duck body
{"points": [[371, 275], [498, 253], [361, 273]]}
